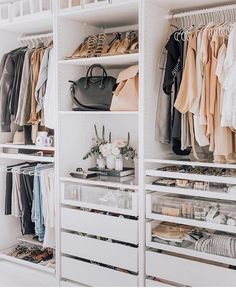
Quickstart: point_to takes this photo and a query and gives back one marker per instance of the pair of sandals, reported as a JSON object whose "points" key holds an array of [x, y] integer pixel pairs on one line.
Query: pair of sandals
{"points": [[32, 254], [101, 45]]}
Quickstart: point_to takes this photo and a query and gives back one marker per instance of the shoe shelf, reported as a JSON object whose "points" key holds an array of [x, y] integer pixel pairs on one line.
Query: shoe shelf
{"points": [[26, 147], [110, 15], [126, 185], [114, 61], [184, 251], [40, 267], [26, 157]]}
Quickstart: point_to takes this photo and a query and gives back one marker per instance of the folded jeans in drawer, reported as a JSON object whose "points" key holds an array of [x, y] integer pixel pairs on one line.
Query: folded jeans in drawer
{"points": [[106, 226], [105, 252], [188, 272], [95, 275]]}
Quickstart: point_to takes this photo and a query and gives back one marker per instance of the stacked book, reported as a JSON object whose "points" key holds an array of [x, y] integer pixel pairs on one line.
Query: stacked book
{"points": [[127, 174]]}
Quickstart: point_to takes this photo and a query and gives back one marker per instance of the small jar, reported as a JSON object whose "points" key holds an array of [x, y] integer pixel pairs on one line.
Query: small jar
{"points": [[119, 164], [101, 163]]}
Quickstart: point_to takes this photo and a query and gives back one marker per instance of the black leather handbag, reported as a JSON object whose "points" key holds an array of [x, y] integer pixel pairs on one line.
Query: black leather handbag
{"points": [[93, 93]]}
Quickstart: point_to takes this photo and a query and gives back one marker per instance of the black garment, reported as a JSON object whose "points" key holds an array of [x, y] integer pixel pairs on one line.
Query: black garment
{"points": [[17, 83], [172, 80], [8, 68], [8, 195], [6, 84], [26, 188], [8, 192]]}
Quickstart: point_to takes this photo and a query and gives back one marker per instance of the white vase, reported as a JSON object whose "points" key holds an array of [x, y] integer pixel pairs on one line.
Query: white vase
{"points": [[101, 163], [136, 168], [119, 164], [110, 162]]}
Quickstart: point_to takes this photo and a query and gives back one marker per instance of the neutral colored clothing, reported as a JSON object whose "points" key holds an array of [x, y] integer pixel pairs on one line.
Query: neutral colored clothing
{"points": [[50, 103]]}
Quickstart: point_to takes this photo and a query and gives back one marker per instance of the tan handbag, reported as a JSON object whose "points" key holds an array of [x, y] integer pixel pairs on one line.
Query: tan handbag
{"points": [[126, 97]]}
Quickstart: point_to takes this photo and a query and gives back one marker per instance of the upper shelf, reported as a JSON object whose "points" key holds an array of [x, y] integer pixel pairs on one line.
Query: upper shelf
{"points": [[37, 23], [110, 15], [26, 147], [108, 61]]}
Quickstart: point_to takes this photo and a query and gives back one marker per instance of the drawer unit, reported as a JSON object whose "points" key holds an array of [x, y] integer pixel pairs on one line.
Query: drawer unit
{"points": [[100, 198], [188, 272], [116, 228], [105, 252], [180, 250], [151, 199], [95, 275]]}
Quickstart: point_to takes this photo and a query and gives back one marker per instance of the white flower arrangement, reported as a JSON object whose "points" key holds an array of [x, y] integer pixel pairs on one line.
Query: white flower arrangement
{"points": [[109, 149], [119, 147]]}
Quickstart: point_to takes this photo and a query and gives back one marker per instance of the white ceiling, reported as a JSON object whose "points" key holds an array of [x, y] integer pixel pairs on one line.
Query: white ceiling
{"points": [[185, 5]]}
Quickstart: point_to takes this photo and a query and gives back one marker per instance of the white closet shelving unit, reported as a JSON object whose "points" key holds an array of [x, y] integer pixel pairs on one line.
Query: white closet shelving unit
{"points": [[132, 257], [113, 262], [165, 263], [12, 32]]}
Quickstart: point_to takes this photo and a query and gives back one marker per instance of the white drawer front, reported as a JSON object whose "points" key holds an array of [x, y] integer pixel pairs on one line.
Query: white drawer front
{"points": [[152, 283], [100, 198], [105, 252], [94, 275], [116, 228], [188, 272]]}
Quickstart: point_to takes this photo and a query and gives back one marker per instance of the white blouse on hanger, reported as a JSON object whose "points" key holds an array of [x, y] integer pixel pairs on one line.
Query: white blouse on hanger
{"points": [[229, 97]]}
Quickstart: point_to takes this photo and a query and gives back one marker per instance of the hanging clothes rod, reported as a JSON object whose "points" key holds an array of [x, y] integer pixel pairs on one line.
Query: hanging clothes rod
{"points": [[35, 37], [203, 11]]}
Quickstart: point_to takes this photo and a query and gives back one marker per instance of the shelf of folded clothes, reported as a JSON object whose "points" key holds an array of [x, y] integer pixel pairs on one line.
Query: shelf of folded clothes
{"points": [[191, 241], [31, 256]]}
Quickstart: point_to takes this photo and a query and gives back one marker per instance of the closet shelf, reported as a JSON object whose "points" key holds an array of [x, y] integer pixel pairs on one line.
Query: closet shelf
{"points": [[29, 239], [4, 256], [115, 61], [191, 163], [189, 176], [37, 23], [93, 113], [26, 157], [185, 251], [191, 192], [100, 183], [26, 147], [189, 222], [106, 16]]}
